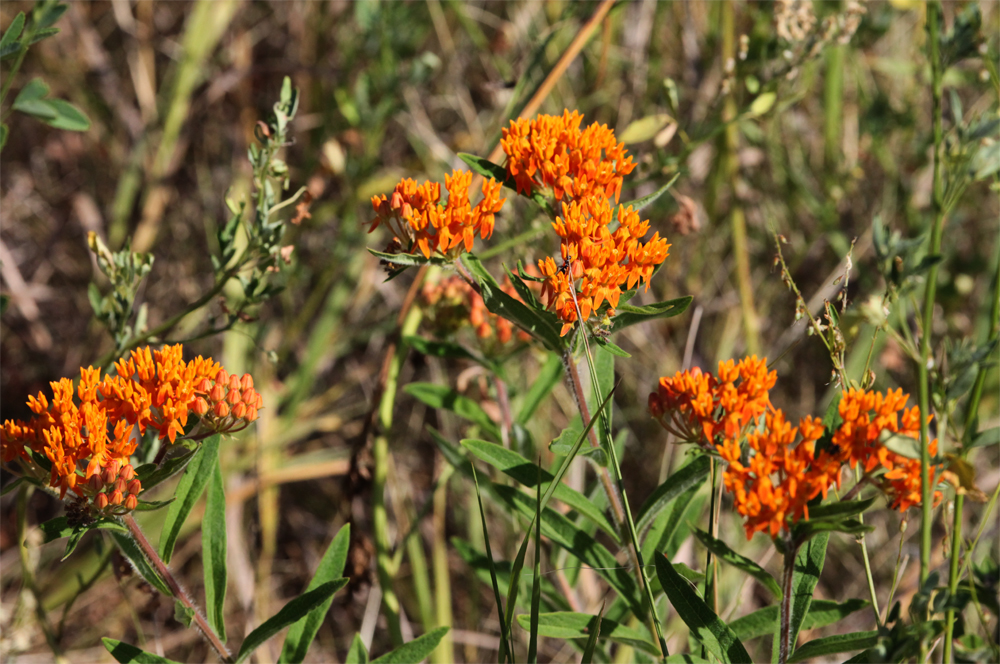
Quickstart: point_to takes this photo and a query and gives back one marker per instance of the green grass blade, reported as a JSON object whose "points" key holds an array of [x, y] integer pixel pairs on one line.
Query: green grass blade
{"points": [[189, 489], [213, 545], [689, 475], [704, 624], [506, 645], [536, 585], [414, 651], [358, 654], [301, 634], [570, 625], [594, 626], [295, 610]]}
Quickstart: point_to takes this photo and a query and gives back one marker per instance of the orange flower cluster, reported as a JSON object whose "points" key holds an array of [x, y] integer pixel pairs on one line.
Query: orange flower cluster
{"points": [[866, 417], [773, 481], [552, 151], [416, 218], [698, 407], [454, 304], [89, 444], [601, 260], [774, 487]]}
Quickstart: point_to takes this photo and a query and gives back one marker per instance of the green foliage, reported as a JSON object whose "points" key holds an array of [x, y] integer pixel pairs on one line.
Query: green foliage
{"points": [[125, 270], [569, 625], [415, 650], [213, 545], [129, 654], [196, 477]]}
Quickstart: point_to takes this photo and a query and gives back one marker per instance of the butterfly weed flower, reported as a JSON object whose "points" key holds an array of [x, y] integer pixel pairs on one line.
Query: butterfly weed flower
{"points": [[418, 221], [601, 260], [552, 152], [86, 436]]}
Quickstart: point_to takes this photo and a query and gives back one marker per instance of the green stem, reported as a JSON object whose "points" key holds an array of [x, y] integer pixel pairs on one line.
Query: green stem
{"points": [[25, 39], [380, 459], [175, 588], [971, 420], [926, 357]]}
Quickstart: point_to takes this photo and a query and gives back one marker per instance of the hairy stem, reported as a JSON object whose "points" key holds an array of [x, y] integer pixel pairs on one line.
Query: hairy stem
{"points": [[175, 588], [785, 627]]}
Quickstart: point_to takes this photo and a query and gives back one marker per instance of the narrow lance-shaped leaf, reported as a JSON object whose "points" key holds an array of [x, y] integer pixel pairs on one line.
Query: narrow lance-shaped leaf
{"points": [[548, 377], [506, 645], [301, 634], [292, 612], [189, 489], [832, 645], [414, 651], [628, 315], [445, 398], [357, 654], [721, 550], [704, 624], [594, 626], [822, 612], [213, 545], [689, 475], [126, 653], [571, 625], [135, 556]]}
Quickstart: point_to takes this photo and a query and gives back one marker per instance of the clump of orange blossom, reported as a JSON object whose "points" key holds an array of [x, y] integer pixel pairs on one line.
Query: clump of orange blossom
{"points": [[552, 151], [773, 478], [88, 440], [417, 220]]}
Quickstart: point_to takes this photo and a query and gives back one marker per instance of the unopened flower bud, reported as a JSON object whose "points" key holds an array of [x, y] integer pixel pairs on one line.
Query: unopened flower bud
{"points": [[260, 402], [218, 393], [234, 382], [203, 386], [101, 501], [251, 415], [249, 396], [247, 381], [239, 410], [131, 502], [199, 407], [233, 397], [116, 497], [115, 465], [221, 409], [127, 472], [221, 377], [135, 487], [108, 476], [121, 485], [95, 483]]}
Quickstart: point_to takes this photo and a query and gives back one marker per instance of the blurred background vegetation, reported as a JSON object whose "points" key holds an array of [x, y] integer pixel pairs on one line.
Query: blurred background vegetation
{"points": [[389, 89]]}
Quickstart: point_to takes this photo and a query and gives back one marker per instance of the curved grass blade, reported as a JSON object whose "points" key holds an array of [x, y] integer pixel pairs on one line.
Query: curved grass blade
{"points": [[414, 651], [594, 626], [126, 653], [189, 489], [536, 586], [213, 546], [516, 466], [292, 612], [506, 645], [704, 624], [570, 625], [300, 635], [687, 476]]}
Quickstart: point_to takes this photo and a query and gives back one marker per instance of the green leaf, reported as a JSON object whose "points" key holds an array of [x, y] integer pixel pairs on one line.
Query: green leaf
{"points": [[723, 552], [444, 398], [183, 614], [628, 315], [47, 14], [570, 625], [803, 530], [414, 651], [152, 505], [37, 108], [358, 654], [640, 203], [690, 475], [839, 510], [35, 90], [131, 551], [670, 528], [527, 473], [13, 30], [612, 348], [569, 536], [831, 645], [10, 50], [301, 634], [988, 437], [407, 260], [444, 349], [213, 547], [126, 653], [762, 104], [295, 610], [68, 116], [644, 129], [59, 527], [807, 568], [42, 34], [704, 624], [189, 489], [542, 324], [487, 169], [548, 377], [822, 612]]}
